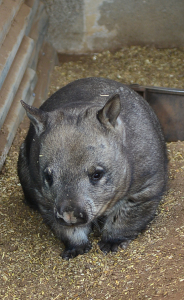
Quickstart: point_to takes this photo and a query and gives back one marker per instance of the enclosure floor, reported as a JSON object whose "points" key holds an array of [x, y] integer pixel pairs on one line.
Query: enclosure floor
{"points": [[152, 266]]}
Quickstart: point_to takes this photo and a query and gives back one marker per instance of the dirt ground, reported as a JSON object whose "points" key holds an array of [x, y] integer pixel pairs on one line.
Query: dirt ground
{"points": [[152, 267]]}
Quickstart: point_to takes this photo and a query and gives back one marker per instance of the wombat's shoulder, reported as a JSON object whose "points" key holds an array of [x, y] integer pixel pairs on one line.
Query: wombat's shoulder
{"points": [[82, 91]]}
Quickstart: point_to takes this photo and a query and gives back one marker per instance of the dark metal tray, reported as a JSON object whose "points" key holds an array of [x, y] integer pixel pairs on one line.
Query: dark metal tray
{"points": [[168, 104]]}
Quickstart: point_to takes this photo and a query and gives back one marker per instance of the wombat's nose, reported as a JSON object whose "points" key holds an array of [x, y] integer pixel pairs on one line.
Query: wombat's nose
{"points": [[69, 216]]}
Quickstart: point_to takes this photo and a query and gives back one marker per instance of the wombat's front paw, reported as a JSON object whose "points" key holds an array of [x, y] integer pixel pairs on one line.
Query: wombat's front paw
{"points": [[107, 246], [73, 252]]}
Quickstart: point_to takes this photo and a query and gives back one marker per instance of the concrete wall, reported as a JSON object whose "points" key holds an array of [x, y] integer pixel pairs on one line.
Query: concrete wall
{"points": [[81, 26]]}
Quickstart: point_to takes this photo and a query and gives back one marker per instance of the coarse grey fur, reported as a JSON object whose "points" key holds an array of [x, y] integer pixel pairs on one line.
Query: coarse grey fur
{"points": [[94, 155]]}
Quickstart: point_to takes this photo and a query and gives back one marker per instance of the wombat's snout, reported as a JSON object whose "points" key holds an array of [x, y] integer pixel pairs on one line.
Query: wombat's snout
{"points": [[70, 215]]}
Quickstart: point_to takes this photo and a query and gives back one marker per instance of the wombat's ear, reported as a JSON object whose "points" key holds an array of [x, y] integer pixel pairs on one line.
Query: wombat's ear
{"points": [[37, 117], [110, 112]]}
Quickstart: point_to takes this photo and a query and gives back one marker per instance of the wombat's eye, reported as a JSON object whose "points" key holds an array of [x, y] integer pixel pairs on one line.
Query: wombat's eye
{"points": [[97, 175], [48, 176]]}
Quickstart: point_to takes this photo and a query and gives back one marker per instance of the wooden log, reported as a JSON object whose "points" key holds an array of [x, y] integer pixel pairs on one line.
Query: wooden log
{"points": [[46, 62], [8, 10], [13, 40], [16, 113], [33, 4], [37, 33], [14, 77]]}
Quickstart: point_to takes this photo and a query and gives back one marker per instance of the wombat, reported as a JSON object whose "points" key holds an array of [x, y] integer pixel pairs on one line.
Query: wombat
{"points": [[94, 156]]}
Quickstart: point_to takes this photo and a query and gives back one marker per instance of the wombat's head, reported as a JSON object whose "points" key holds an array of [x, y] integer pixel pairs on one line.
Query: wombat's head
{"points": [[82, 164]]}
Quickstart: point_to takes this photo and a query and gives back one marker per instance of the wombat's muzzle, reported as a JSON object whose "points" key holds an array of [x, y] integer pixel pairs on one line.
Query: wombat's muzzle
{"points": [[69, 215]]}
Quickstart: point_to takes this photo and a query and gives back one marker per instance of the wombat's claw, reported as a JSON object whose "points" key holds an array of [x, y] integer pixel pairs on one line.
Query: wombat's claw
{"points": [[125, 244], [112, 246], [71, 253], [108, 246]]}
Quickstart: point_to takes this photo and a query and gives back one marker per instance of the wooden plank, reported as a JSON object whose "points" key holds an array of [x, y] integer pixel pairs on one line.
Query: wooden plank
{"points": [[37, 33], [16, 113], [14, 77], [33, 4], [8, 10], [13, 40], [46, 62]]}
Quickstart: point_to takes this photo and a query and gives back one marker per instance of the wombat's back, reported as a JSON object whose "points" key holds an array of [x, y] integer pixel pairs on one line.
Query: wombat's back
{"points": [[82, 92], [92, 91], [136, 113]]}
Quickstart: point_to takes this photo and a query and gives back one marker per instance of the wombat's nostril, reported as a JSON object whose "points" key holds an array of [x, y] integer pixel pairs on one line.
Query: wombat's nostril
{"points": [[68, 216]]}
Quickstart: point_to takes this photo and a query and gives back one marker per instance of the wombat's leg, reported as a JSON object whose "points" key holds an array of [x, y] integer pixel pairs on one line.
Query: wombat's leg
{"points": [[76, 241], [126, 221]]}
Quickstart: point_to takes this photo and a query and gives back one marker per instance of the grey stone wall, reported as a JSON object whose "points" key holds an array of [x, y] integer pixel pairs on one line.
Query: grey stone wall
{"points": [[81, 26]]}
